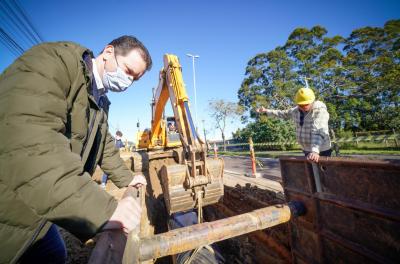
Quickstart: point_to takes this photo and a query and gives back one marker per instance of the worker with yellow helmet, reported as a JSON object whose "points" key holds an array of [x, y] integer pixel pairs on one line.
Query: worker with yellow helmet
{"points": [[311, 118]]}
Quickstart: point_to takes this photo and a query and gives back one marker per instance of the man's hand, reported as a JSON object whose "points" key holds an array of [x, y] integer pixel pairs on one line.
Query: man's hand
{"points": [[313, 157], [126, 216], [138, 181], [260, 110]]}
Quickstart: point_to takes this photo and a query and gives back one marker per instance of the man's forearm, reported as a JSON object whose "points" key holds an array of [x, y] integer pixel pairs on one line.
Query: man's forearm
{"points": [[283, 114]]}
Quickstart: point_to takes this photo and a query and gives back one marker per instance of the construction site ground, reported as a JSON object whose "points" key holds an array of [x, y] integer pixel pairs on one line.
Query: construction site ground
{"points": [[243, 193]]}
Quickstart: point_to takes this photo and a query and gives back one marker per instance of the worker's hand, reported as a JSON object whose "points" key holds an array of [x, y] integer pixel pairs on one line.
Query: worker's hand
{"points": [[313, 157], [138, 181], [260, 110], [126, 216]]}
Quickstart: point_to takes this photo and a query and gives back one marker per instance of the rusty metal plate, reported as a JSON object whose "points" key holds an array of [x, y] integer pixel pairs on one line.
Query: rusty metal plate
{"points": [[337, 254], [304, 243], [373, 235], [293, 176], [354, 218]]}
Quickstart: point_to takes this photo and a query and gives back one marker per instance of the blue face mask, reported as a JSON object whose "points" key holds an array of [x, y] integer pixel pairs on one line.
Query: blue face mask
{"points": [[117, 81]]}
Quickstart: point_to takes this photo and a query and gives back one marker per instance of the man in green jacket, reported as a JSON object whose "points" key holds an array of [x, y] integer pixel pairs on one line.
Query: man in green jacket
{"points": [[53, 134]]}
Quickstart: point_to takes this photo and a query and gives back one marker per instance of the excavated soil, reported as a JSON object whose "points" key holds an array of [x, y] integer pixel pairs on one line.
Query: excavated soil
{"points": [[78, 252]]}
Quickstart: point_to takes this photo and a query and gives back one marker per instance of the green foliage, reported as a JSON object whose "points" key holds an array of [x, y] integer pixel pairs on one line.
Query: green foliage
{"points": [[344, 134], [267, 130], [357, 77]]}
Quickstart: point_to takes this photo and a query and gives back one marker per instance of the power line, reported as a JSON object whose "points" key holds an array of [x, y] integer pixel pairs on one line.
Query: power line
{"points": [[28, 21], [9, 47], [17, 33], [14, 46], [15, 20], [10, 29], [13, 28]]}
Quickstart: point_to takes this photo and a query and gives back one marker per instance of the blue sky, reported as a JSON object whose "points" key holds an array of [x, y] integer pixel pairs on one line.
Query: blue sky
{"points": [[225, 34]]}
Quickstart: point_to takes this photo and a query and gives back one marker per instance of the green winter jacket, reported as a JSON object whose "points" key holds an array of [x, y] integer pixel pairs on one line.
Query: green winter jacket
{"points": [[52, 136]]}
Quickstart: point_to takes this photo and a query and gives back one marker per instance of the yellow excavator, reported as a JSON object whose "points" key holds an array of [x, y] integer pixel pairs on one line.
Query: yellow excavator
{"points": [[187, 177]]}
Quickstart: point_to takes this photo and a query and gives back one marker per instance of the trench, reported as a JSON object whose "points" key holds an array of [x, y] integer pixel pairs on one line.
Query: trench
{"points": [[265, 246]]}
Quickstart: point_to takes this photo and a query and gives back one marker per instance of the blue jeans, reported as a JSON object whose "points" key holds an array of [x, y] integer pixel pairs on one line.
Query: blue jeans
{"points": [[49, 249]]}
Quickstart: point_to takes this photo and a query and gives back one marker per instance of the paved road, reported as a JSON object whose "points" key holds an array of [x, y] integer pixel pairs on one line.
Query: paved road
{"points": [[271, 169], [242, 165]]}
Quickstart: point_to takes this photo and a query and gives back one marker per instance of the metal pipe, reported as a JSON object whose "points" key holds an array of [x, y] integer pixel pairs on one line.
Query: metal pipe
{"points": [[191, 237], [260, 236]]}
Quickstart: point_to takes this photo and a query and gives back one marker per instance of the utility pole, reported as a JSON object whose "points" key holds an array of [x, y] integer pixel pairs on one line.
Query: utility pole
{"points": [[194, 86]]}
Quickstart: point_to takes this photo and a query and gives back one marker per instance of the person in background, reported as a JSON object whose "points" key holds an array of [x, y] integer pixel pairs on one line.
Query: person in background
{"points": [[53, 134], [171, 127], [118, 140], [311, 119]]}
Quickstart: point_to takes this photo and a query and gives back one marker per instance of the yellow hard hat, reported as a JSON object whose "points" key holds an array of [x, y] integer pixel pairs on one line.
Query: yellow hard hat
{"points": [[304, 96]]}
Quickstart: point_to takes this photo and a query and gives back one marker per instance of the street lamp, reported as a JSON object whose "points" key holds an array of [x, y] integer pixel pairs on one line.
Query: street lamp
{"points": [[194, 85], [205, 138], [204, 131]]}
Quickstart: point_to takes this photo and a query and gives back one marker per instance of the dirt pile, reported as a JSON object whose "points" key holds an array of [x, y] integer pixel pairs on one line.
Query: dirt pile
{"points": [[78, 252]]}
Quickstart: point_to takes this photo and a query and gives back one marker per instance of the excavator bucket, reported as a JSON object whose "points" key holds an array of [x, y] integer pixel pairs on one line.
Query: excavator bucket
{"points": [[178, 196]]}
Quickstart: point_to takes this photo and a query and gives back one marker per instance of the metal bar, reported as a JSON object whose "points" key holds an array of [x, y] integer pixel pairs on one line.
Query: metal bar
{"points": [[188, 238], [316, 176]]}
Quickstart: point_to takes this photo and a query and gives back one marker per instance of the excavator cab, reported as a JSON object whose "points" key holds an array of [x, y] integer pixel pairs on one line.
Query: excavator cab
{"points": [[172, 134]]}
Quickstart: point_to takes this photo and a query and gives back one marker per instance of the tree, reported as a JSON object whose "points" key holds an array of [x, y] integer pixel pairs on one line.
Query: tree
{"points": [[269, 81], [357, 77], [273, 78], [221, 111], [372, 61], [267, 130]]}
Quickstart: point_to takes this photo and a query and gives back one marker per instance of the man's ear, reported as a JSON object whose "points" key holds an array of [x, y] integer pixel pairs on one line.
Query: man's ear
{"points": [[108, 52]]}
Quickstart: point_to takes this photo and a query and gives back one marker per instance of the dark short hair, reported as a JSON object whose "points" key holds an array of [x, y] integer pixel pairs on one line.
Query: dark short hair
{"points": [[124, 44], [118, 133]]}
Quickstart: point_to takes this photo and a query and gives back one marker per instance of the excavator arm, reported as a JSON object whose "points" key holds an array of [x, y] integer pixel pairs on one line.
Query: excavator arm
{"points": [[195, 181], [171, 87]]}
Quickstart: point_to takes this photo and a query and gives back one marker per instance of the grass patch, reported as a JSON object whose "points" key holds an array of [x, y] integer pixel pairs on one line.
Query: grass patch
{"points": [[370, 151], [275, 153]]}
